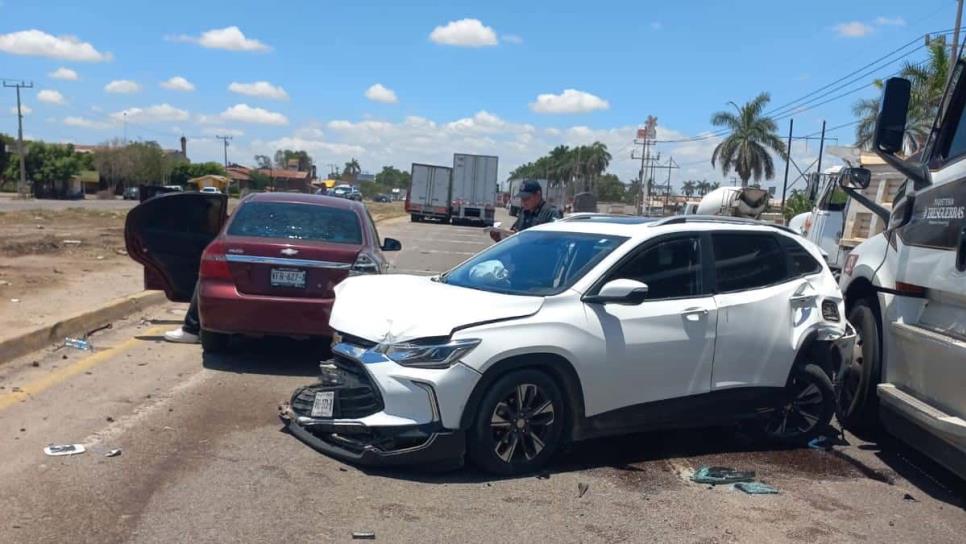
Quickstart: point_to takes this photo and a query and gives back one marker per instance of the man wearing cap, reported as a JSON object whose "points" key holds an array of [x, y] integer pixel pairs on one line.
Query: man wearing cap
{"points": [[534, 210]]}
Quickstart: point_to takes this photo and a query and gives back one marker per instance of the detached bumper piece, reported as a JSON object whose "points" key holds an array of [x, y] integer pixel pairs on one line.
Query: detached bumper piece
{"points": [[345, 437]]}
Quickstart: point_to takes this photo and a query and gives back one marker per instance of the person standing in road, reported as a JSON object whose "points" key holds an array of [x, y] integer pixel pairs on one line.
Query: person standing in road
{"points": [[534, 210], [190, 332]]}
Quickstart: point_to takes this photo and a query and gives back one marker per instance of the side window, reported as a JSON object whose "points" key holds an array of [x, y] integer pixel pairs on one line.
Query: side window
{"points": [[746, 261], [671, 269], [800, 261]]}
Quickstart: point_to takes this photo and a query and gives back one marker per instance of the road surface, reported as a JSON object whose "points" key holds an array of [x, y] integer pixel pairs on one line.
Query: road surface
{"points": [[205, 459]]}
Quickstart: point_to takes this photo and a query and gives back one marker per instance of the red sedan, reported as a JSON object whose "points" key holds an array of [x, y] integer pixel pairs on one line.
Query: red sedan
{"points": [[268, 270]]}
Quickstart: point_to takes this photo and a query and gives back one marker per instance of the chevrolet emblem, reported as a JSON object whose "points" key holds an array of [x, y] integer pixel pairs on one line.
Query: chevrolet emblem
{"points": [[289, 251]]}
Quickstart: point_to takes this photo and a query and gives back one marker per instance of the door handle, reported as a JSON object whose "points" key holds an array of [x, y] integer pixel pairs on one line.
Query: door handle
{"points": [[694, 314], [802, 298]]}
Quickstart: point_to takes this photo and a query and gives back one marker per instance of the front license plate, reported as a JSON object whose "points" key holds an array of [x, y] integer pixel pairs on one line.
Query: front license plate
{"points": [[324, 401], [288, 278]]}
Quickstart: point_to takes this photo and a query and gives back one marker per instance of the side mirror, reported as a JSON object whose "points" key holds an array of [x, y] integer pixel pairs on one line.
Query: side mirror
{"points": [[622, 291], [890, 124], [855, 178], [391, 244]]}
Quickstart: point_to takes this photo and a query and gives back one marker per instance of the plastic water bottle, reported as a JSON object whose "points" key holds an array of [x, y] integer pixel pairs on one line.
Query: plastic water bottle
{"points": [[77, 343]]}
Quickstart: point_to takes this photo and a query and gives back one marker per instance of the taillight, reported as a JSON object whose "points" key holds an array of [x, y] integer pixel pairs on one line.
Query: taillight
{"points": [[214, 263], [364, 264]]}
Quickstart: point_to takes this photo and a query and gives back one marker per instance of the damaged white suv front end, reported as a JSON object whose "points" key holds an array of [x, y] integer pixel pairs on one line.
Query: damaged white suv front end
{"points": [[576, 330]]}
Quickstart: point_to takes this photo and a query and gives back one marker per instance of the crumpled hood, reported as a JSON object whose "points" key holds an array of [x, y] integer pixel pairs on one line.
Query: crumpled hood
{"points": [[396, 308]]}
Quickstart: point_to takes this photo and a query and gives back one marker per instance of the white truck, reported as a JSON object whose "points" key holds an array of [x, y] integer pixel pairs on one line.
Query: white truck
{"points": [[905, 288], [474, 188], [429, 193], [749, 202]]}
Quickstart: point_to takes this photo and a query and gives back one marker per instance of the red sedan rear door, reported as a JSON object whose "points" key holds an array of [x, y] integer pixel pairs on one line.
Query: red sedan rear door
{"points": [[168, 233]]}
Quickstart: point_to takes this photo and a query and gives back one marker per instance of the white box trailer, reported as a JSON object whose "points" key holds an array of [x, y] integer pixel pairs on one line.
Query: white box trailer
{"points": [[429, 192], [474, 188]]}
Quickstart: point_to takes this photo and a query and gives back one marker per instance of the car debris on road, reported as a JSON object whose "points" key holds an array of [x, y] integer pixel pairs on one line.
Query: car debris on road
{"points": [[56, 450]]}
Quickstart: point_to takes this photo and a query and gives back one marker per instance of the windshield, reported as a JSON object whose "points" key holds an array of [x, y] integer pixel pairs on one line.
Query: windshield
{"points": [[534, 263]]}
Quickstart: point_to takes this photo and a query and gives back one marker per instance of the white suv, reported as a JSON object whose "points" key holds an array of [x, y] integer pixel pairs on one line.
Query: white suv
{"points": [[591, 326]]}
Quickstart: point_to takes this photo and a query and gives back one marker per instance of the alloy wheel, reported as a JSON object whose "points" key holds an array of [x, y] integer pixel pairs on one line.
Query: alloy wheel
{"points": [[800, 414], [521, 423]]}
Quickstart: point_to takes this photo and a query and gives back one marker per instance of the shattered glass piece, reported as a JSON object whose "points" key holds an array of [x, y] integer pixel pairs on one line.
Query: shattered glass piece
{"points": [[756, 488], [721, 475]]}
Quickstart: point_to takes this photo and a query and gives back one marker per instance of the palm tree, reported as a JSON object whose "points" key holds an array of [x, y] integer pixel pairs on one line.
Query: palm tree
{"points": [[753, 135], [688, 187], [715, 185], [928, 80], [598, 159], [352, 169], [703, 187]]}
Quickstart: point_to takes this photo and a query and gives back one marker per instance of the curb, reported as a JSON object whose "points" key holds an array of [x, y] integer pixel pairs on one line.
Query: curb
{"points": [[80, 324]]}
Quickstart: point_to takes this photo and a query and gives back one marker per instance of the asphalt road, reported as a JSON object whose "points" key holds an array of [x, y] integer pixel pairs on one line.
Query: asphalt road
{"points": [[205, 459]]}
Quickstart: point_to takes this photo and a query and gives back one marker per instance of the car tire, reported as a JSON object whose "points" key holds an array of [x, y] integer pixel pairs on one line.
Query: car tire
{"points": [[857, 403], [414, 218], [509, 437], [214, 342], [808, 408]]}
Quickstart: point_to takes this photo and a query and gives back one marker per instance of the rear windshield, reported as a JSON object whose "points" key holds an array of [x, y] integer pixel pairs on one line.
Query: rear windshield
{"points": [[296, 222]]}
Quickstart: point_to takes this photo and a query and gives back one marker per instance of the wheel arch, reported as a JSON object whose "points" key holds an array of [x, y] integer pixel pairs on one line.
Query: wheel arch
{"points": [[559, 368]]}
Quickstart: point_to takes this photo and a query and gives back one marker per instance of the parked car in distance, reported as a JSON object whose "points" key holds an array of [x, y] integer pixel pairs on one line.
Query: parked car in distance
{"points": [[131, 193], [576, 329], [381, 198], [270, 269], [210, 190], [174, 188]]}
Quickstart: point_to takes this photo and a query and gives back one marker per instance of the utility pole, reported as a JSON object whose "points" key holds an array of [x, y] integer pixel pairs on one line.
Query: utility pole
{"points": [[644, 137], [22, 186], [667, 195], [955, 49], [225, 139], [124, 115], [788, 161], [821, 147]]}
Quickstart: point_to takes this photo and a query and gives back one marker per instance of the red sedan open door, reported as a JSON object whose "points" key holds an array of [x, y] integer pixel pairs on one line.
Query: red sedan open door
{"points": [[168, 233]]}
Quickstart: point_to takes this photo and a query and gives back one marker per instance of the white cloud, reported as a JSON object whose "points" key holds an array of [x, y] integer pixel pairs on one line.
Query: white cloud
{"points": [[84, 122], [38, 43], [25, 109], [569, 101], [221, 131], [379, 93], [229, 38], [161, 113], [890, 21], [122, 86], [49, 96], [657, 25], [260, 89], [243, 113], [64, 73], [853, 29], [178, 83], [512, 38], [464, 33]]}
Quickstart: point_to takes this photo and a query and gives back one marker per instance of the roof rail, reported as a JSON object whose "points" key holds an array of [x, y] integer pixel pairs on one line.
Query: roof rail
{"points": [[677, 219]]}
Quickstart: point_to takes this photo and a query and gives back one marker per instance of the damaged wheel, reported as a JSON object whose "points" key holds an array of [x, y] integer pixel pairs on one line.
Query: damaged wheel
{"points": [[808, 408], [519, 425]]}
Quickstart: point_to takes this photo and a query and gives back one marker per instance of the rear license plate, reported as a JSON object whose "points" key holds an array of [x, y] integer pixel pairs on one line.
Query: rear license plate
{"points": [[324, 402], [288, 278]]}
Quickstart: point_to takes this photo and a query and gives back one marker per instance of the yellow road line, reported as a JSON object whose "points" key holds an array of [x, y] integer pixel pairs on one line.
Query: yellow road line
{"points": [[62, 374]]}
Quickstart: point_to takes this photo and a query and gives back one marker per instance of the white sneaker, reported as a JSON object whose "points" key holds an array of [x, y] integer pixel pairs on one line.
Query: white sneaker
{"points": [[178, 336]]}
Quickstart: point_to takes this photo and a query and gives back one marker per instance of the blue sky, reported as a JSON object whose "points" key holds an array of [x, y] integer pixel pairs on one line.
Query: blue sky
{"points": [[455, 76]]}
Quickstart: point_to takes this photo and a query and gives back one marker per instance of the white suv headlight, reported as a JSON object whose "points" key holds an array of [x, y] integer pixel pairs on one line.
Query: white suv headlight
{"points": [[429, 355]]}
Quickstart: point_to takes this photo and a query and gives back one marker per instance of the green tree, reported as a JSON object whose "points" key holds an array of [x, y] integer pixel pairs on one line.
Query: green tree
{"points": [[689, 187], [351, 170], [283, 156], [796, 203], [183, 172], [610, 189], [263, 161], [258, 180], [392, 178], [47, 163], [746, 149]]}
